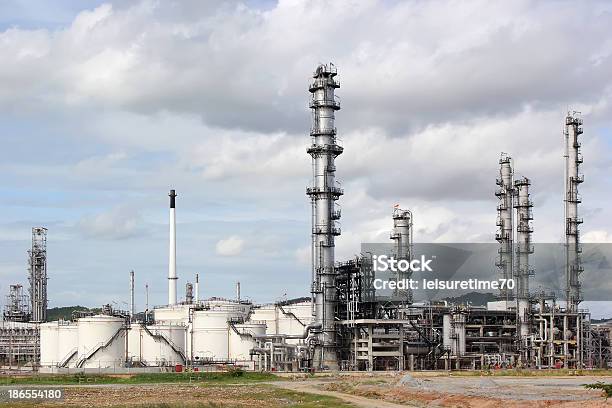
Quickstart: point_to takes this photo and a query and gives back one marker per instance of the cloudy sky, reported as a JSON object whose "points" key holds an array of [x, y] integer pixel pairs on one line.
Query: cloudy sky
{"points": [[106, 106]]}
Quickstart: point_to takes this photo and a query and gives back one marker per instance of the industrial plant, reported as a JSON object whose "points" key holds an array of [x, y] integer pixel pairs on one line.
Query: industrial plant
{"points": [[341, 323]]}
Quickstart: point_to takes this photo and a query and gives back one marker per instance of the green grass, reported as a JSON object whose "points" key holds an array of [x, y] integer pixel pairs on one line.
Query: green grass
{"points": [[607, 388], [145, 378], [256, 395]]}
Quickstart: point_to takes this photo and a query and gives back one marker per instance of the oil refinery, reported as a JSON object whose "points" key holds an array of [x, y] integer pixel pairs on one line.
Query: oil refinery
{"points": [[340, 323]]}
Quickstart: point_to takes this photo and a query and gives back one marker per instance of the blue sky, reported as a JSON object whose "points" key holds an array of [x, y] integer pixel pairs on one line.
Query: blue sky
{"points": [[106, 106]]}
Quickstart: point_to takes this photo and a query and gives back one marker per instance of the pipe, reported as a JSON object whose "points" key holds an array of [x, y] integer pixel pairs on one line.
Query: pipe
{"points": [[131, 295], [238, 292], [172, 251], [197, 288]]}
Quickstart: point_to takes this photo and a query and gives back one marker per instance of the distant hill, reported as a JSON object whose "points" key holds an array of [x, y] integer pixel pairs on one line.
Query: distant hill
{"points": [[64, 313], [473, 298]]}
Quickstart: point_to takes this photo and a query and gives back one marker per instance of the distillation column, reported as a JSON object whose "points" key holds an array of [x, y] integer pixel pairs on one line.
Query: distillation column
{"points": [[524, 248], [402, 236], [573, 178], [172, 251], [323, 194], [38, 274], [504, 236]]}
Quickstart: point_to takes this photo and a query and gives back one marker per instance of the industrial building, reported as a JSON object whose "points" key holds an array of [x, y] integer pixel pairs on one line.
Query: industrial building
{"points": [[344, 324]]}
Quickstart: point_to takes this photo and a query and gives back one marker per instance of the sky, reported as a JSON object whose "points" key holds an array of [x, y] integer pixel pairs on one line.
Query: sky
{"points": [[105, 106]]}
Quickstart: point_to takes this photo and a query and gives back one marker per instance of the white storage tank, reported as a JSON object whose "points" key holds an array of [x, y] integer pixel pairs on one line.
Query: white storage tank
{"points": [[101, 342], [241, 341], [210, 329], [167, 346], [68, 342], [49, 337]]}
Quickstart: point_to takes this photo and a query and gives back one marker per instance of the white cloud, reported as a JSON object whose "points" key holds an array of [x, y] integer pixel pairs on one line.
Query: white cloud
{"points": [[211, 98], [118, 223], [597, 236], [231, 246]]}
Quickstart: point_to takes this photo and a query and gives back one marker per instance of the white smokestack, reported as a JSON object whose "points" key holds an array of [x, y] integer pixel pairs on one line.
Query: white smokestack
{"points": [[172, 255], [197, 288], [132, 295]]}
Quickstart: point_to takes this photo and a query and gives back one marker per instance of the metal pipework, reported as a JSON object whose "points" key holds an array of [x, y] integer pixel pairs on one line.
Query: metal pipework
{"points": [[188, 293], [505, 233], [573, 178], [38, 274], [524, 248], [323, 194], [172, 251], [238, 292], [197, 288], [402, 237]]}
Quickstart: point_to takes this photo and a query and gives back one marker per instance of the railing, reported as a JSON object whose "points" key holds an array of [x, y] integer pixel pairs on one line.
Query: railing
{"points": [[168, 341], [68, 357], [315, 103], [331, 190], [99, 347]]}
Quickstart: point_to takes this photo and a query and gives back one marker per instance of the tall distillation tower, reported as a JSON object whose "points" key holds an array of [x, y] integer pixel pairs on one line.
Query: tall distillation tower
{"points": [[524, 248], [573, 178], [323, 194], [38, 274], [504, 236], [402, 237]]}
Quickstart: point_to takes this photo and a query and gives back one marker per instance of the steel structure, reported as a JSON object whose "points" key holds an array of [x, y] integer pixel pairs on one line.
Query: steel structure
{"points": [[38, 274], [402, 237], [324, 193], [573, 179], [505, 234], [17, 307], [524, 247]]}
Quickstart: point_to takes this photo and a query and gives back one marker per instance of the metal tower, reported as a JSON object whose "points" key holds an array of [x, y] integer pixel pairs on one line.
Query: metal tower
{"points": [[505, 232], [573, 178], [524, 248], [16, 308], [38, 274], [323, 194], [402, 236]]}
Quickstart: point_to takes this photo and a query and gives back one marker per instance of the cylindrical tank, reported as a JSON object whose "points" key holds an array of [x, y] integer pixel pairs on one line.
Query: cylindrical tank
{"points": [[210, 329], [68, 342], [241, 345], [49, 337], [101, 341], [171, 342]]}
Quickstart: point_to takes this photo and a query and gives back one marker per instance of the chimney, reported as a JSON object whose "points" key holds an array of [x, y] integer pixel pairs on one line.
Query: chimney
{"points": [[131, 295], [172, 253], [197, 288]]}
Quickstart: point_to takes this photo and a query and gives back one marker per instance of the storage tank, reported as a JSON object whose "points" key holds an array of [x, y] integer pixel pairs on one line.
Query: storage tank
{"points": [[210, 329], [241, 342], [68, 342], [49, 337], [170, 344], [101, 341]]}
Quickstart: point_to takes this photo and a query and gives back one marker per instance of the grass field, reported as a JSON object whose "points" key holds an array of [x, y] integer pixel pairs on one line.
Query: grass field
{"points": [[177, 396], [147, 378]]}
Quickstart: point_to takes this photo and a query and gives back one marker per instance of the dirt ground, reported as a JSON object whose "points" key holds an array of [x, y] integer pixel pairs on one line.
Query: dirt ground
{"points": [[478, 392], [363, 390]]}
